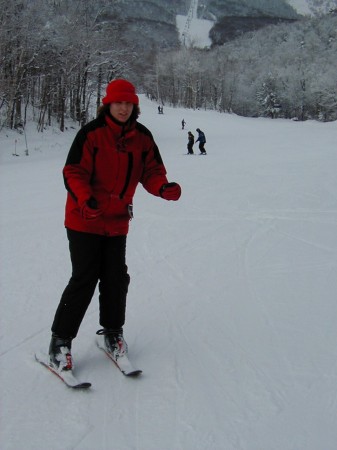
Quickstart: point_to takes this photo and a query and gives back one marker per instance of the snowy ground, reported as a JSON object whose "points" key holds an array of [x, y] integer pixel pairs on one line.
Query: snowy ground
{"points": [[301, 6], [196, 34], [232, 311]]}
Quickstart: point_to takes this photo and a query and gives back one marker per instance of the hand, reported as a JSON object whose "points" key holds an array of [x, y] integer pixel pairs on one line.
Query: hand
{"points": [[90, 209], [170, 191]]}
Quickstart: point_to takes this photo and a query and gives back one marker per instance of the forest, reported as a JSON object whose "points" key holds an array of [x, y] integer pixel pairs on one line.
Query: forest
{"points": [[57, 57], [286, 70]]}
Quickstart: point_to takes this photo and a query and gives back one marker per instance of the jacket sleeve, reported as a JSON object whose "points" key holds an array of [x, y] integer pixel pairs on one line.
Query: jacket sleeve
{"points": [[78, 168], [154, 173]]}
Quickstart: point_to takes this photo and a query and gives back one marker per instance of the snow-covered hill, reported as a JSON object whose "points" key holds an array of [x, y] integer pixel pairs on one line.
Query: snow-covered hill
{"points": [[194, 32], [232, 305], [301, 6]]}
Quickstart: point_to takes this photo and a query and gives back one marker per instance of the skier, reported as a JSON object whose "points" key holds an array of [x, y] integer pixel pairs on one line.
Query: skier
{"points": [[183, 123], [108, 158], [202, 141], [190, 143]]}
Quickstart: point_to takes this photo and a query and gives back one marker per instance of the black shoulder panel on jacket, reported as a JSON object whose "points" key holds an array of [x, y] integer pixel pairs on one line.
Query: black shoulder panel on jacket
{"points": [[76, 149], [142, 129]]}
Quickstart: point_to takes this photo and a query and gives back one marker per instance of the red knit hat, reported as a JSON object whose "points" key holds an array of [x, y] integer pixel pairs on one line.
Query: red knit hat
{"points": [[120, 91]]}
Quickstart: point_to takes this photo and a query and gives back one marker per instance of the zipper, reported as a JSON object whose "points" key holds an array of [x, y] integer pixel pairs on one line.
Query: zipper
{"points": [[128, 175]]}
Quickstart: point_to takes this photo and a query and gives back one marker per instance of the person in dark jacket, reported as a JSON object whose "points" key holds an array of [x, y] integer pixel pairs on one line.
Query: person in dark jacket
{"points": [[109, 157], [202, 141], [190, 143]]}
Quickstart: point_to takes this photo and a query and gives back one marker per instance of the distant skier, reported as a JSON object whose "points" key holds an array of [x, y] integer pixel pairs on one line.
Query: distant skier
{"points": [[190, 143], [202, 141], [183, 123]]}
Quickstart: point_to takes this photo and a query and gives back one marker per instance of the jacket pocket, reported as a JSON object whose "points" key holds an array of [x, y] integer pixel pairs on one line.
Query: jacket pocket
{"points": [[117, 208]]}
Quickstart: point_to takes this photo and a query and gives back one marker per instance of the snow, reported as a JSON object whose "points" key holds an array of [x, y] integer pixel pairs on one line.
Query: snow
{"points": [[301, 6], [231, 309], [196, 33]]}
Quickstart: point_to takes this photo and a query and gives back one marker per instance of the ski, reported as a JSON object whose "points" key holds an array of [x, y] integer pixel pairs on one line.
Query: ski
{"points": [[66, 376], [123, 364]]}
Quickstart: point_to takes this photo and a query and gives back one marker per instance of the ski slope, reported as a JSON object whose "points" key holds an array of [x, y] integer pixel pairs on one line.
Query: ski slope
{"points": [[194, 31], [197, 33], [301, 6], [232, 304]]}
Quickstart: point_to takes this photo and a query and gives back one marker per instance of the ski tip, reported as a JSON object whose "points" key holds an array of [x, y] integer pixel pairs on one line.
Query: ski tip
{"points": [[123, 364], [41, 357], [84, 385], [133, 374]]}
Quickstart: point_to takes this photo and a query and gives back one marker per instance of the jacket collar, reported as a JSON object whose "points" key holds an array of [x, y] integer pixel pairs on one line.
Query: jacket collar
{"points": [[119, 129]]}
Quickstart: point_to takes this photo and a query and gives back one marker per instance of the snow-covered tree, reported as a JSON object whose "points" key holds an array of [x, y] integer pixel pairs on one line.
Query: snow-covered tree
{"points": [[320, 7], [268, 98]]}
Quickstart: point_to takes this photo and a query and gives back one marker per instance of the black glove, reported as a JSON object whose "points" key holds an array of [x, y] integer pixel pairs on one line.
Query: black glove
{"points": [[90, 209], [170, 191]]}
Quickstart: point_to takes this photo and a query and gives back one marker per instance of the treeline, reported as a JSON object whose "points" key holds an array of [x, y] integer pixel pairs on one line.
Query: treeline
{"points": [[247, 8], [286, 71], [55, 56], [58, 55]]}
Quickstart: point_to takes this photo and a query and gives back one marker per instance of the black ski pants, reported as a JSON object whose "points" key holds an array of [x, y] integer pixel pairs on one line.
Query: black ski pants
{"points": [[202, 147], [190, 149], [94, 259]]}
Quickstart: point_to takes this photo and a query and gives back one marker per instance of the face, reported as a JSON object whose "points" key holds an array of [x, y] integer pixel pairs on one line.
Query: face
{"points": [[121, 111]]}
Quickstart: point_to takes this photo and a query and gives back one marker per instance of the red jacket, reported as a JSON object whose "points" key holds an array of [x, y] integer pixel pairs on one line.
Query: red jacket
{"points": [[107, 161]]}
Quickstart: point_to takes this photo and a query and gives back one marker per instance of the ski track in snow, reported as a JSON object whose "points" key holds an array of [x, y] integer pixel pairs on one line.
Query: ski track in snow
{"points": [[231, 307]]}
